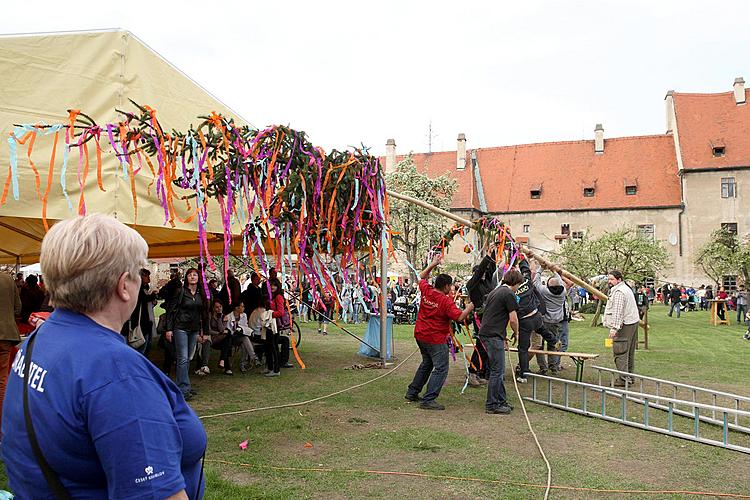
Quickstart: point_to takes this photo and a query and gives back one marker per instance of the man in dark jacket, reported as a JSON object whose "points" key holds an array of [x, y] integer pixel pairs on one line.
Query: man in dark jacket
{"points": [[482, 282], [251, 296], [530, 320], [674, 300]]}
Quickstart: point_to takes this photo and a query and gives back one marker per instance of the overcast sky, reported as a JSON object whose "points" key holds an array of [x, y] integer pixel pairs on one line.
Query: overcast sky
{"points": [[362, 72]]}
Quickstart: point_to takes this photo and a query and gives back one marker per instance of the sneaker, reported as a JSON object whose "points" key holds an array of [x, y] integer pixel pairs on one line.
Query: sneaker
{"points": [[228, 372], [431, 405], [474, 380], [187, 396], [542, 372], [500, 410], [205, 370], [199, 372], [243, 367], [272, 374], [413, 399], [483, 381], [265, 372], [521, 380]]}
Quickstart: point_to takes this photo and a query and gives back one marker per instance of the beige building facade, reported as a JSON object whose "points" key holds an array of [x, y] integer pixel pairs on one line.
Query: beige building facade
{"points": [[677, 187]]}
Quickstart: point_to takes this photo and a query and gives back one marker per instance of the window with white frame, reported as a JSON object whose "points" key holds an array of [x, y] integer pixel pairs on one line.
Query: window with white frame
{"points": [[728, 187]]}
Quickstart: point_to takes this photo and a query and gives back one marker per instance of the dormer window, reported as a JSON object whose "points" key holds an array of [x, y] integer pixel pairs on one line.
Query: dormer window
{"points": [[718, 151], [588, 192], [631, 187]]}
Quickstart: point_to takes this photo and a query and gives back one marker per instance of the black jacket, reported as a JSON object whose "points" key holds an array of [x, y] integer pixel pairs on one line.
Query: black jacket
{"points": [[187, 312], [528, 299], [481, 283]]}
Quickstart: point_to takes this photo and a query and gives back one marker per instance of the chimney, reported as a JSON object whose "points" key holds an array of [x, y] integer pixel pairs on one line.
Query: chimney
{"points": [[390, 156], [739, 90], [599, 139], [669, 101], [461, 152]]}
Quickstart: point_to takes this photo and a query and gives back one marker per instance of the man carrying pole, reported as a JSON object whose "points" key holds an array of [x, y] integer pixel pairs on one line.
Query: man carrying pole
{"points": [[436, 311]]}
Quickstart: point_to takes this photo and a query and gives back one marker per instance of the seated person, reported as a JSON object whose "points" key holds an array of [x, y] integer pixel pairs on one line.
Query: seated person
{"points": [[203, 347], [221, 338], [236, 322]]}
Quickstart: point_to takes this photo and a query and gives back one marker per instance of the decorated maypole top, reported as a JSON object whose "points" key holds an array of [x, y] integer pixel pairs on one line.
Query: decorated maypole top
{"points": [[276, 191]]}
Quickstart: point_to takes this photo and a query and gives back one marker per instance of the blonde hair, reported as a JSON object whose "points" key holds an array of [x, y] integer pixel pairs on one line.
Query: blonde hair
{"points": [[82, 260]]}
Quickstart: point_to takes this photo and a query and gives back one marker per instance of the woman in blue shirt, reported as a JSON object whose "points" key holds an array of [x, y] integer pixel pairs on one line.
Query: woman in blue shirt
{"points": [[107, 422]]}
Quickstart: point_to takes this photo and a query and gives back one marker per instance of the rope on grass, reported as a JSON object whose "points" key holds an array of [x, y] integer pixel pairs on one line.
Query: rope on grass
{"points": [[531, 429], [478, 480], [301, 403]]}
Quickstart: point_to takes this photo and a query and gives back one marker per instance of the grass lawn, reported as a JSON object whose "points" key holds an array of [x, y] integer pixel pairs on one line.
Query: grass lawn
{"points": [[373, 428]]}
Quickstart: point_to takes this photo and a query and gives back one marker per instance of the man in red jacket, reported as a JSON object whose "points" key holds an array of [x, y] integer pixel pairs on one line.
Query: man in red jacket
{"points": [[436, 311]]}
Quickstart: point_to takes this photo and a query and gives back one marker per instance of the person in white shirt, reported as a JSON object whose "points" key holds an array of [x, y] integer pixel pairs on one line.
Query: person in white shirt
{"points": [[621, 317], [236, 322]]}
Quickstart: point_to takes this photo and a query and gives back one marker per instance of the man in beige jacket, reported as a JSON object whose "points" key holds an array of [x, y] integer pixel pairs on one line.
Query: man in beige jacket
{"points": [[10, 307], [621, 317]]}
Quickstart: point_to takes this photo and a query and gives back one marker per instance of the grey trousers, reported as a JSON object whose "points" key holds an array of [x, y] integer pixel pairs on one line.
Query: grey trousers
{"points": [[623, 348]]}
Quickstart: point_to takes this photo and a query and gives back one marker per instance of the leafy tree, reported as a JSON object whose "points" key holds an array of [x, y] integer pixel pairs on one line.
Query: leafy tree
{"points": [[415, 228], [625, 249], [724, 255], [636, 256]]}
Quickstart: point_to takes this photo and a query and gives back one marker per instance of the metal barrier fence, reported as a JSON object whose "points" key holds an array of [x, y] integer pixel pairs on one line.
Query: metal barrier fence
{"points": [[649, 402]]}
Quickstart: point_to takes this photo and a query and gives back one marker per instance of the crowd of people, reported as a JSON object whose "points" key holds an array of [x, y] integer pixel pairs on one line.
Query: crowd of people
{"points": [[680, 298]]}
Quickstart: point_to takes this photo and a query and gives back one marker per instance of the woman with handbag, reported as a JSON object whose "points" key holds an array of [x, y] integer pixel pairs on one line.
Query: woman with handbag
{"points": [[107, 424], [277, 344], [187, 318]]}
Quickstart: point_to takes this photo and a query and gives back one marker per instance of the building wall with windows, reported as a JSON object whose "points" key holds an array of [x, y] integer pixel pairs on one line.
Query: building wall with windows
{"points": [[680, 186], [708, 208]]}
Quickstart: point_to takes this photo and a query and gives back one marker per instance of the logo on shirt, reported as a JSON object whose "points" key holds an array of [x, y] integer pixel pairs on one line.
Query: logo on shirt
{"points": [[149, 475]]}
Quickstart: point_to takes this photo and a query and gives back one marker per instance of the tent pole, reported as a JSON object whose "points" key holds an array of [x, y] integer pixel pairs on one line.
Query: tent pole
{"points": [[383, 294]]}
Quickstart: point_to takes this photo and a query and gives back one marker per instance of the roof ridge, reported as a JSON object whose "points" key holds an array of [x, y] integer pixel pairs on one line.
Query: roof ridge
{"points": [[703, 94]]}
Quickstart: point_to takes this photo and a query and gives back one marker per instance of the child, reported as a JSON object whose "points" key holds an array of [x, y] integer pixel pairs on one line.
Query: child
{"points": [[238, 326]]}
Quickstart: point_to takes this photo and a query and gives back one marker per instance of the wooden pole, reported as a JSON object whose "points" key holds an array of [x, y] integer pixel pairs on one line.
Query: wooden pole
{"points": [[431, 208], [565, 274]]}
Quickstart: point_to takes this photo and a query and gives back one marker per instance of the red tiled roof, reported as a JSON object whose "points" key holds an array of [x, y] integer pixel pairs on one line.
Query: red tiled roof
{"points": [[565, 168], [708, 120], [437, 164]]}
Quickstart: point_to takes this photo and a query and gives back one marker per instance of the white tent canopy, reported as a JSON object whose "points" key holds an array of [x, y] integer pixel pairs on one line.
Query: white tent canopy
{"points": [[41, 77]]}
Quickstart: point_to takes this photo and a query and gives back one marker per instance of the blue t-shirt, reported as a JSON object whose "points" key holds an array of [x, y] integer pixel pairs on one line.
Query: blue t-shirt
{"points": [[109, 423]]}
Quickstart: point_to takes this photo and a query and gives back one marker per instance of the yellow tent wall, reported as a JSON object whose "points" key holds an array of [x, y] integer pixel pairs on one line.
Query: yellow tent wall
{"points": [[41, 76]]}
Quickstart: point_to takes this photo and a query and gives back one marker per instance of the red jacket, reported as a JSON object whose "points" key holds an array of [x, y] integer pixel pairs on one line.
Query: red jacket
{"points": [[436, 311]]}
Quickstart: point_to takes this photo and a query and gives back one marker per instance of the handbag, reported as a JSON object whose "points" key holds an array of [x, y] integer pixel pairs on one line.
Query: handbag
{"points": [[135, 335]]}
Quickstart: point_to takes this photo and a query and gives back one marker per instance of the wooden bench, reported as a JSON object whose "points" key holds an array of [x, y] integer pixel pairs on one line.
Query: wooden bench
{"points": [[578, 357]]}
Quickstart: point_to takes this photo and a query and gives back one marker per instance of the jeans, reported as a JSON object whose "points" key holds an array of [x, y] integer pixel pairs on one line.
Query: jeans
{"points": [[496, 396], [184, 344], [433, 370], [525, 327], [741, 311], [544, 360], [675, 305], [277, 351], [203, 353]]}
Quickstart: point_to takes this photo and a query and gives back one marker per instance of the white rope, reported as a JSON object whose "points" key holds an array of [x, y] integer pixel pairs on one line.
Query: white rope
{"points": [[300, 403], [528, 422]]}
